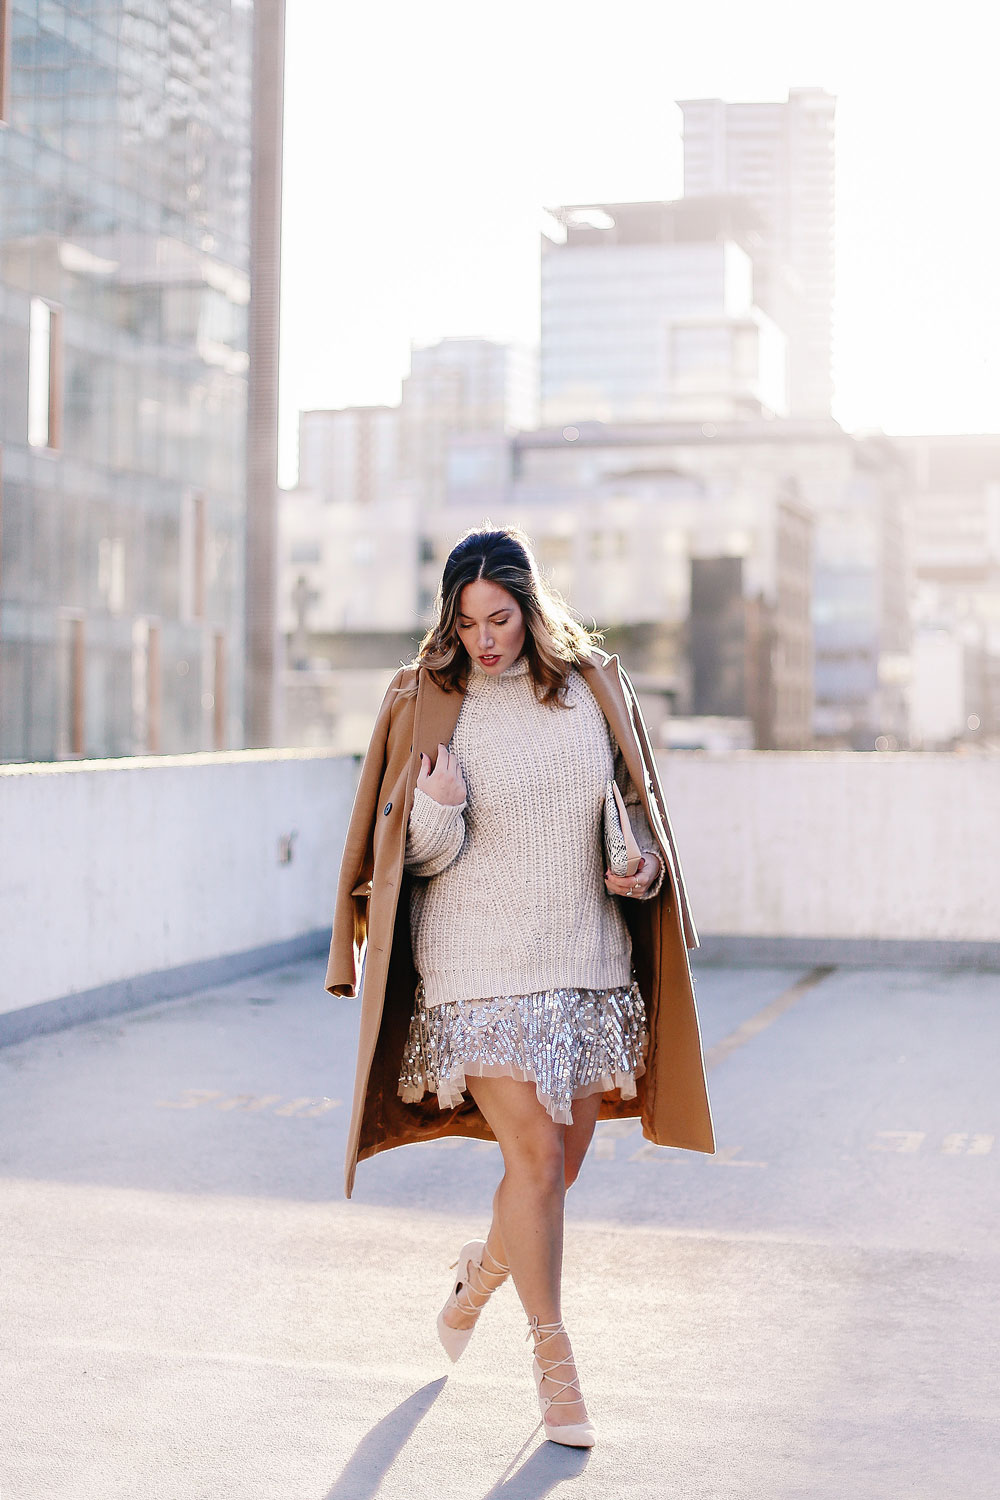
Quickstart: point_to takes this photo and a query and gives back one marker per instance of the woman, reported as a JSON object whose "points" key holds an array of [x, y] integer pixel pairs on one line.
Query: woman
{"points": [[538, 1004]]}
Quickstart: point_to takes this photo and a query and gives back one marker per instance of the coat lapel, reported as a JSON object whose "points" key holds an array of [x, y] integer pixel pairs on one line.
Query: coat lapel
{"points": [[434, 718], [608, 692], [605, 683]]}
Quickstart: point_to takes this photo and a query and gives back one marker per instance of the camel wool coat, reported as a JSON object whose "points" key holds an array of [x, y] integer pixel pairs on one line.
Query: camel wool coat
{"points": [[371, 920]]}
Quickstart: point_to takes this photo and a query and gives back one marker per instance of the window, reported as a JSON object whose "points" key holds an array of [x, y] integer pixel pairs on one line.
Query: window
{"points": [[146, 687], [192, 544], [72, 684], [154, 722], [111, 572], [305, 552], [44, 372], [219, 692], [5, 22]]}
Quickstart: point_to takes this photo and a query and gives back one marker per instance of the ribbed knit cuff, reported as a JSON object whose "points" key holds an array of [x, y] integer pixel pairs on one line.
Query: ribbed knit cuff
{"points": [[432, 815], [657, 883]]}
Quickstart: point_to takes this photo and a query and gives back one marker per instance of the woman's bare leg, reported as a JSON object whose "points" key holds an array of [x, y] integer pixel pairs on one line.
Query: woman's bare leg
{"points": [[527, 1229], [483, 1282], [580, 1134], [577, 1138]]}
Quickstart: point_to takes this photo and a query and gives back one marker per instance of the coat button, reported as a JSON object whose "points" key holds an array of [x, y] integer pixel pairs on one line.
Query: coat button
{"points": [[387, 809]]}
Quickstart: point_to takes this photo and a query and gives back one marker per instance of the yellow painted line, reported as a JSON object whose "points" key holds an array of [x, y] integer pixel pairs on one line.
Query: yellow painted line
{"points": [[648, 1151], [905, 1141], [757, 1023], [305, 1105], [956, 1143], [248, 1103], [727, 1157]]}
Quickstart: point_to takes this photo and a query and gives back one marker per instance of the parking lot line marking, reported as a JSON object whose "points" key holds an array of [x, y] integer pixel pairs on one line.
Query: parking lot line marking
{"points": [[726, 1157], [248, 1103], [195, 1097], [764, 1018], [648, 1151], [297, 1106], [614, 1130], [898, 1140]]}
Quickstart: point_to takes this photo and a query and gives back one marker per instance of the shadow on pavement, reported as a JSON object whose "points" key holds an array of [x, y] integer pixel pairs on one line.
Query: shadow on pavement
{"points": [[550, 1464], [362, 1475]]}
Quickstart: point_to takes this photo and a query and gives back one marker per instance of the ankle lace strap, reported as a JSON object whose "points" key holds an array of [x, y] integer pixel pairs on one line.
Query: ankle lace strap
{"points": [[546, 1363], [501, 1269], [474, 1282], [547, 1330]]}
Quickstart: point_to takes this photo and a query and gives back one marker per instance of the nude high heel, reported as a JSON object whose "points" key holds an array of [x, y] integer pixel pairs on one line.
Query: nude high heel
{"points": [[470, 1271], [573, 1434]]}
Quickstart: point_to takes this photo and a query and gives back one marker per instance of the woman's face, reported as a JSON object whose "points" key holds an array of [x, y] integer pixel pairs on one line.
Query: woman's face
{"points": [[490, 625]]}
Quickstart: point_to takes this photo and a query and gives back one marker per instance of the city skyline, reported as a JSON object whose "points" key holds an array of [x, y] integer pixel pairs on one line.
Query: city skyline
{"points": [[428, 206]]}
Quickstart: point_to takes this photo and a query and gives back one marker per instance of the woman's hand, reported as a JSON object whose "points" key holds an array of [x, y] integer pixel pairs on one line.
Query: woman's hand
{"points": [[444, 780], [637, 884]]}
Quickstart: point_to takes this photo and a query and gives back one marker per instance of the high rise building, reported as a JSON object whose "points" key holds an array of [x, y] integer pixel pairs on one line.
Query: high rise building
{"points": [[780, 157], [773, 550], [460, 385], [350, 454], [648, 315], [953, 531], [360, 543], [140, 152]]}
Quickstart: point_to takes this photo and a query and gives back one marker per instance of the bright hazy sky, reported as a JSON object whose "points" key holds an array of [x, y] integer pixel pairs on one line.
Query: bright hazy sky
{"points": [[423, 139]]}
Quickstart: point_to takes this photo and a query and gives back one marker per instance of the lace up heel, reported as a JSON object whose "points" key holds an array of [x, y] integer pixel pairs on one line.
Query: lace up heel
{"points": [[471, 1271], [573, 1434]]}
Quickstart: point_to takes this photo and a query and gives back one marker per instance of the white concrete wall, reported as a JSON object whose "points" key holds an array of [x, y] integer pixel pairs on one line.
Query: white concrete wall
{"points": [[839, 844], [114, 869]]}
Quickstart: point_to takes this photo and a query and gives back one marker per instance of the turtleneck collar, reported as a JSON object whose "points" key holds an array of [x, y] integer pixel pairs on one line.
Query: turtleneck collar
{"points": [[478, 673]]}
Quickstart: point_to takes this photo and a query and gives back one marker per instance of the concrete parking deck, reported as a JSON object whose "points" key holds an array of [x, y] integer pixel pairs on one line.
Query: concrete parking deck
{"points": [[192, 1311]]}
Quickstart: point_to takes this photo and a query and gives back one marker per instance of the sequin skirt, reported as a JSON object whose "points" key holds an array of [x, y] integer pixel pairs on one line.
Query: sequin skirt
{"points": [[568, 1042]]}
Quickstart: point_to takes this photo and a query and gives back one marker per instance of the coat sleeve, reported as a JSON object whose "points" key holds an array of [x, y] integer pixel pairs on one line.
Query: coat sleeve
{"points": [[354, 886], [637, 817], [691, 937]]}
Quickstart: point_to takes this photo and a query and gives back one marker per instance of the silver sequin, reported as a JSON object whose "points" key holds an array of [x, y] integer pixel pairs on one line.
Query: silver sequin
{"points": [[568, 1042]]}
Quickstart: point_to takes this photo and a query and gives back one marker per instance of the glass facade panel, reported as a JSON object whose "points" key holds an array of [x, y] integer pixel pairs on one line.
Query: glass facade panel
{"points": [[124, 291], [39, 372]]}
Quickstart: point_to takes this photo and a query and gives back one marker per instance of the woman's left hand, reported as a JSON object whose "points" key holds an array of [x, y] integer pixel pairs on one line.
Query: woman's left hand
{"points": [[637, 884]]}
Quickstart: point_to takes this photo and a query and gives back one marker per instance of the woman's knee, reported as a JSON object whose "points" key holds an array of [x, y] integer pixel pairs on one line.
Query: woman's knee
{"points": [[533, 1145], [540, 1157]]}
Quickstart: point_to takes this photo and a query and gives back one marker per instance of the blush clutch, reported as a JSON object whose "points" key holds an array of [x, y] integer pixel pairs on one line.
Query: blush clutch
{"points": [[622, 851]]}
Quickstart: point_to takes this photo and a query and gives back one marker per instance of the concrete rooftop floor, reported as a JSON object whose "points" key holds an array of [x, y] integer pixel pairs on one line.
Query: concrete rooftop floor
{"points": [[190, 1307]]}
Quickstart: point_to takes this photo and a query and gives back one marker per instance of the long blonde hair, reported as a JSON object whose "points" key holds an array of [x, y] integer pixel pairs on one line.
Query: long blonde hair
{"points": [[554, 640]]}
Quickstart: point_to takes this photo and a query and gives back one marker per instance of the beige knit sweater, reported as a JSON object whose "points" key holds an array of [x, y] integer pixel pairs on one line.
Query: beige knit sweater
{"points": [[510, 895]]}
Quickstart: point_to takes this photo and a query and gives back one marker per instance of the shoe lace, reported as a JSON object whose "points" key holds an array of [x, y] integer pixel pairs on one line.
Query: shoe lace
{"points": [[542, 1333], [475, 1268]]}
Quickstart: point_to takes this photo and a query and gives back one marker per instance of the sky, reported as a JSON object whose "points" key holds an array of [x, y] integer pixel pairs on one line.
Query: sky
{"points": [[422, 142]]}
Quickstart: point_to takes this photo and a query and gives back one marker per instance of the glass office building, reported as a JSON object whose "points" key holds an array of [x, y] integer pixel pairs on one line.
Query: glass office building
{"points": [[125, 275]]}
